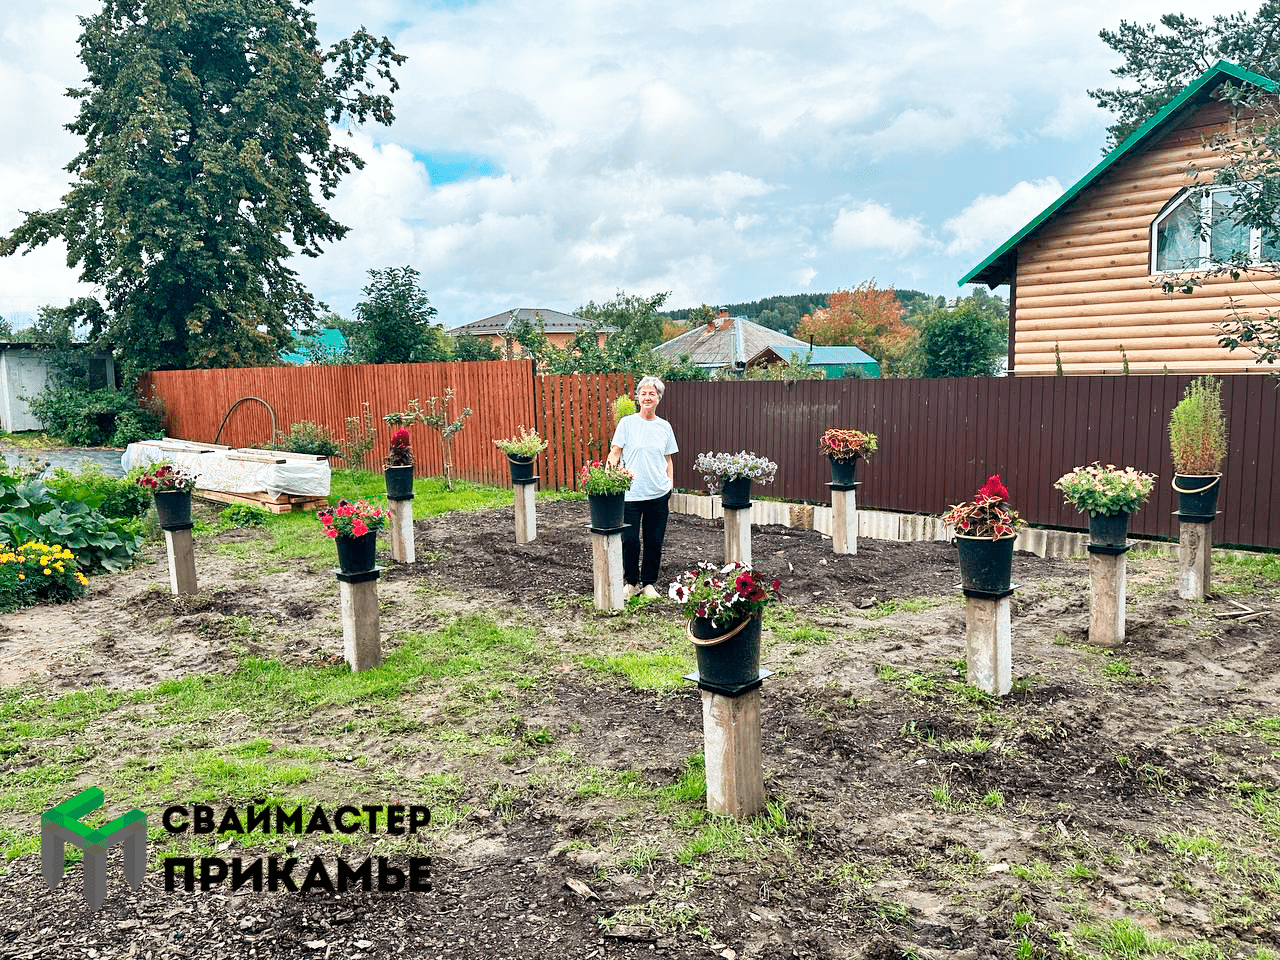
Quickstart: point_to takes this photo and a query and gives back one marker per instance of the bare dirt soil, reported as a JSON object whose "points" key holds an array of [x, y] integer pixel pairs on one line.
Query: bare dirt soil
{"points": [[1133, 789]]}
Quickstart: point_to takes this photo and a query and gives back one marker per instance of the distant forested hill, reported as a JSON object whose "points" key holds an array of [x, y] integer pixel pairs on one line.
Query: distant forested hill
{"points": [[784, 312]]}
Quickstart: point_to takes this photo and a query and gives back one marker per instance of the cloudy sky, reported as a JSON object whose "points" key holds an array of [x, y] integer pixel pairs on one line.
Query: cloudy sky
{"points": [[550, 153]]}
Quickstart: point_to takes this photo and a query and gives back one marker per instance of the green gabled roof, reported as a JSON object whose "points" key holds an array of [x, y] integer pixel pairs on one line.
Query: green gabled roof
{"points": [[995, 269]]}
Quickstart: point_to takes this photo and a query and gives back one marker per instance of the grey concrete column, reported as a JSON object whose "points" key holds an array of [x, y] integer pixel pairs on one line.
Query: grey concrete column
{"points": [[606, 570], [182, 561], [844, 521], [361, 636], [1194, 559], [402, 547], [1107, 595], [989, 645], [737, 536], [734, 767], [526, 512]]}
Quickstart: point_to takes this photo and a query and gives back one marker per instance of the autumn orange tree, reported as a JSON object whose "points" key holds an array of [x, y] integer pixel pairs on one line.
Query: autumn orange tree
{"points": [[865, 317]]}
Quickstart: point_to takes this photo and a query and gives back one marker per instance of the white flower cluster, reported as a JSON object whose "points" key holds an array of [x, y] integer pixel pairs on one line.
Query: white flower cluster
{"points": [[1109, 489], [733, 466]]}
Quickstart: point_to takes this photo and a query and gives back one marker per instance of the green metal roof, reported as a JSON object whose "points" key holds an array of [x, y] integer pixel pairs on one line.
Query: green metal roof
{"points": [[997, 268]]}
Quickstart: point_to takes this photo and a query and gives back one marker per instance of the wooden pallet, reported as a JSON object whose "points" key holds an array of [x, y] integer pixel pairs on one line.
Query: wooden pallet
{"points": [[280, 503]]}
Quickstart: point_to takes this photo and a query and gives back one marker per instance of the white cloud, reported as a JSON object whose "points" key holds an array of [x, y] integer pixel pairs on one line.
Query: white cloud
{"points": [[990, 220], [872, 226], [711, 149]]}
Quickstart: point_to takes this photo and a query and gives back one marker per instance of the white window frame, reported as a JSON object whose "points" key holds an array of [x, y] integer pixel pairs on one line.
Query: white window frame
{"points": [[1205, 196]]}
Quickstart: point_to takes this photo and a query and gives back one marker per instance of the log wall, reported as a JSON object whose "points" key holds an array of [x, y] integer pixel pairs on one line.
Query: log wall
{"points": [[1084, 281]]}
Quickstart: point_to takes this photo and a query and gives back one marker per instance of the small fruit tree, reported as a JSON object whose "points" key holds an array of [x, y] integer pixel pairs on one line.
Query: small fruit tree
{"points": [[437, 418]]}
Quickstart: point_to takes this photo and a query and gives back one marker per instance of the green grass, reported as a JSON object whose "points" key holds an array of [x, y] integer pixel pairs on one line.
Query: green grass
{"points": [[661, 671], [888, 608], [1121, 940], [297, 536]]}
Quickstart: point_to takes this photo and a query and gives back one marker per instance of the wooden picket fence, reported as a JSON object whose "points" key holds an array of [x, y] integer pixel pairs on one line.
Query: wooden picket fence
{"points": [[574, 414]]}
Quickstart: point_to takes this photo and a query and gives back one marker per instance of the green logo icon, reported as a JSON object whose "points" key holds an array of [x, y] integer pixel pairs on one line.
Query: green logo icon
{"points": [[61, 825]]}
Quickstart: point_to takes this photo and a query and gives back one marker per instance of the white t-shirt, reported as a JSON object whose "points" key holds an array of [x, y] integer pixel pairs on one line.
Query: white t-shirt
{"points": [[645, 444]]}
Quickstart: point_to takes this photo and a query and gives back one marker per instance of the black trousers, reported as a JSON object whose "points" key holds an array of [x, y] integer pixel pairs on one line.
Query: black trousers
{"points": [[647, 518]]}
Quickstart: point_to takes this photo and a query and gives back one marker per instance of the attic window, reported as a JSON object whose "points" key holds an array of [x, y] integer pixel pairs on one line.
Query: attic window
{"points": [[1196, 229]]}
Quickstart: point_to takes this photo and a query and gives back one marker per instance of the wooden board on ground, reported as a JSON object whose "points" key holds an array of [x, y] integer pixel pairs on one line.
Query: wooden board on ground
{"points": [[278, 503]]}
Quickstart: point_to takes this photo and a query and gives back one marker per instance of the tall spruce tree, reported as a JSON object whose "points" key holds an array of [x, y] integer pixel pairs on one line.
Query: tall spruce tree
{"points": [[205, 124], [1162, 58]]}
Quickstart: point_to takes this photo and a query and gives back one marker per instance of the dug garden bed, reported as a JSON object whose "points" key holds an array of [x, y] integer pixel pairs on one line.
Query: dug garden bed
{"points": [[1119, 800]]}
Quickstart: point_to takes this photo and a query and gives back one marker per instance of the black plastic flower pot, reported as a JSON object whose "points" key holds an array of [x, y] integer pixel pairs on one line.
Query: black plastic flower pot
{"points": [[986, 566], [1109, 529], [357, 554], [521, 468], [728, 656], [399, 482], [607, 510], [173, 507], [842, 472], [735, 494], [1197, 496]]}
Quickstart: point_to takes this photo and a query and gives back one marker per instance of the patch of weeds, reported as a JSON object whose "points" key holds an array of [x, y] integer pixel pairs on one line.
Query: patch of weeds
{"points": [[661, 671], [917, 684], [728, 839], [974, 745], [1119, 670], [1263, 805], [658, 915], [887, 608], [1080, 872], [941, 797], [1037, 872], [640, 858], [1121, 939], [994, 800]]}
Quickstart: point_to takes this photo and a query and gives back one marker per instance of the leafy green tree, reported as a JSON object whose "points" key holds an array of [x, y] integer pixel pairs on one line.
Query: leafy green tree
{"points": [[205, 126], [467, 346], [393, 322], [6, 329], [966, 341], [1162, 58], [635, 318]]}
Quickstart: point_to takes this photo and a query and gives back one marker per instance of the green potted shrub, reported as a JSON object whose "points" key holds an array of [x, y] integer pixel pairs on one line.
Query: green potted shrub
{"points": [[520, 451], [606, 489], [354, 529], [397, 467], [731, 474], [843, 448], [1198, 443], [985, 528], [724, 606], [1108, 495], [171, 487]]}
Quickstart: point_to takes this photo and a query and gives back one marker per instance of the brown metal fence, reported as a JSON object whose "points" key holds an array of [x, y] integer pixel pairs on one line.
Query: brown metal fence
{"points": [[939, 439]]}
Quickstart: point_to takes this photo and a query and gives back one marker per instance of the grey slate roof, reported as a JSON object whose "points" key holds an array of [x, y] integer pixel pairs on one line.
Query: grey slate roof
{"points": [[735, 341], [552, 322]]}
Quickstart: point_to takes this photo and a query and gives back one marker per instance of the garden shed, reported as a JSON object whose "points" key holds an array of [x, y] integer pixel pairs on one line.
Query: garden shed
{"points": [[1086, 274], [24, 370]]}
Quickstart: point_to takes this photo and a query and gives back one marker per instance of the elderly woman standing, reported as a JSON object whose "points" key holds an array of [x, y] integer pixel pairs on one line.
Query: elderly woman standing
{"points": [[644, 443]]}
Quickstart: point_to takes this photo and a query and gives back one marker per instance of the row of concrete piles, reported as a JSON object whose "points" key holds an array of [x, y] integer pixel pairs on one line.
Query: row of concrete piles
{"points": [[731, 719]]}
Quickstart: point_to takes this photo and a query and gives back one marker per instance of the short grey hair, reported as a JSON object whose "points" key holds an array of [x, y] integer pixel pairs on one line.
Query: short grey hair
{"points": [[651, 382]]}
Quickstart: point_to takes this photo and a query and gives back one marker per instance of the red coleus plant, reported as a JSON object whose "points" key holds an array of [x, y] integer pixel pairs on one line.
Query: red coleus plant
{"points": [[988, 516], [349, 519], [400, 455]]}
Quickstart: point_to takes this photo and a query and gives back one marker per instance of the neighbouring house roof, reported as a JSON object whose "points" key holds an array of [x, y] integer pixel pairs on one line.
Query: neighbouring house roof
{"points": [[731, 341], [552, 322], [999, 266], [835, 360]]}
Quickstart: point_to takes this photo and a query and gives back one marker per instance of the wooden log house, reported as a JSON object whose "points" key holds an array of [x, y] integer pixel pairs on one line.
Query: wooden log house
{"points": [[1085, 275]]}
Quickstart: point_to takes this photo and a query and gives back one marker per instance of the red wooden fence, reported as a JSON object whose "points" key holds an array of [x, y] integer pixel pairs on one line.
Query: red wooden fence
{"points": [[939, 439], [499, 394]]}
